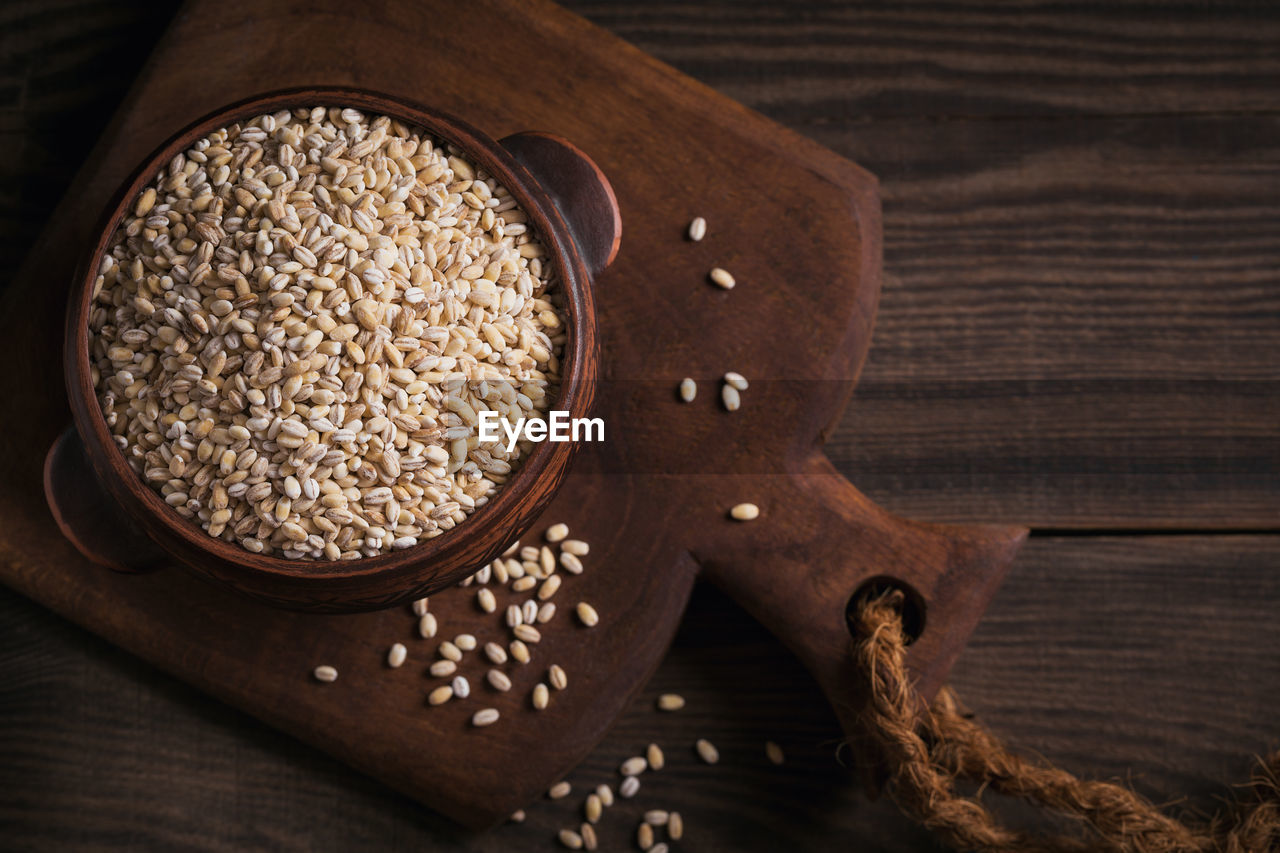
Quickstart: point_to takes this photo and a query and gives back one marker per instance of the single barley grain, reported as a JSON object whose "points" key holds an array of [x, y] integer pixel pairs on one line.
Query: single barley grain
{"points": [[745, 512], [498, 680], [558, 790], [546, 612], [512, 548], [465, 642], [657, 817], [721, 278], [557, 677], [629, 787], [644, 836], [697, 229], [541, 696], [570, 839], [529, 612], [675, 826], [737, 380], [517, 816], [485, 600], [688, 389], [524, 584], [495, 653], [549, 587], [461, 687], [576, 547], [420, 607], [557, 532], [514, 615], [326, 674], [427, 626], [484, 717], [396, 655], [655, 757], [450, 651], [440, 695], [605, 793], [588, 833], [519, 651], [634, 766], [443, 668], [730, 397], [587, 614], [529, 553], [707, 751], [593, 808], [660, 847], [570, 563], [527, 633], [670, 702], [547, 560], [774, 752]]}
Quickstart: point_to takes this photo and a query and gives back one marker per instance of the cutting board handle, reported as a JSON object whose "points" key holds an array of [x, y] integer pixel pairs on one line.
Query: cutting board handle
{"points": [[579, 190], [90, 518], [819, 543]]}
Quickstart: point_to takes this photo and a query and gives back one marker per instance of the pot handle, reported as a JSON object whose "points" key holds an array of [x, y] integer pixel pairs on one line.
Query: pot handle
{"points": [[579, 190], [91, 519], [819, 543]]}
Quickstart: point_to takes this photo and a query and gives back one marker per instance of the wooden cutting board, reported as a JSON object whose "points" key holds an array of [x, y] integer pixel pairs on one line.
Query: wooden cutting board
{"points": [[797, 225]]}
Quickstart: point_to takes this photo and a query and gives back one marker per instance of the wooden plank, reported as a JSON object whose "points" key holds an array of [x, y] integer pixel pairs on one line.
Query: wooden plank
{"points": [[1143, 658], [796, 62]]}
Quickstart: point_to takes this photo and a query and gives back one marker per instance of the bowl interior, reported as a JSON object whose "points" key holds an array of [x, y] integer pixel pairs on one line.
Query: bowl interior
{"points": [[458, 550]]}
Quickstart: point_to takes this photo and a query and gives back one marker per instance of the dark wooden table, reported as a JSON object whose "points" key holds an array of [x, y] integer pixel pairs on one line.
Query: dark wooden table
{"points": [[1080, 331]]}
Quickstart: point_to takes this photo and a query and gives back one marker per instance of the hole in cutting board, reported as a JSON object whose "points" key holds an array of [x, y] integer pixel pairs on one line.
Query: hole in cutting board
{"points": [[913, 609]]}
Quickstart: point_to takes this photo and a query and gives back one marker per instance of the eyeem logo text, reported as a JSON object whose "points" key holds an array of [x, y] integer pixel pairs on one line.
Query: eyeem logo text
{"points": [[557, 426]]}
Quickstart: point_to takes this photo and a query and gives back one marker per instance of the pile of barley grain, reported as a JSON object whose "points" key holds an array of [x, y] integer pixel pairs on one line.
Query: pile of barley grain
{"points": [[297, 324]]}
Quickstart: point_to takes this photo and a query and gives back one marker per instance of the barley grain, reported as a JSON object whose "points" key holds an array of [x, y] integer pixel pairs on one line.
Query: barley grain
{"points": [[570, 839], [440, 695], [461, 687], [327, 674], [589, 839], [730, 397], [519, 651], [546, 612], [660, 847], [443, 668], [633, 766], [570, 563], [484, 717], [498, 680], [517, 816], [675, 826], [707, 751], [657, 817], [495, 653], [427, 626], [721, 278], [593, 808], [540, 696], [774, 752], [576, 547], [697, 229], [550, 585], [629, 787], [485, 600], [450, 651], [644, 836], [557, 532], [465, 642], [737, 380], [527, 633], [605, 793], [420, 607], [688, 389], [396, 655], [670, 702], [587, 614], [559, 790], [557, 677], [655, 757], [745, 512]]}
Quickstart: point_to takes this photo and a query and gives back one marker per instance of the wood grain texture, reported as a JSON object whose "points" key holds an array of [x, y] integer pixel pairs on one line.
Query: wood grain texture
{"points": [[1121, 422], [1080, 325], [649, 532], [1111, 656]]}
